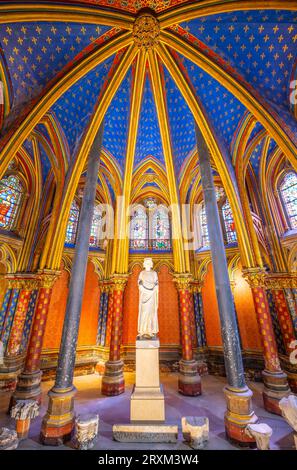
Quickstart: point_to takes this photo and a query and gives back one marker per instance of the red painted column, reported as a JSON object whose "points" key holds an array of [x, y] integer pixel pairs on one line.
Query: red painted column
{"points": [[286, 325], [28, 385], [24, 283], [15, 337], [275, 380], [113, 382], [189, 382]]}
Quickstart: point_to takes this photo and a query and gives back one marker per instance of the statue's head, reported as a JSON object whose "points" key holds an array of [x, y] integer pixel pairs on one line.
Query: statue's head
{"points": [[148, 263]]}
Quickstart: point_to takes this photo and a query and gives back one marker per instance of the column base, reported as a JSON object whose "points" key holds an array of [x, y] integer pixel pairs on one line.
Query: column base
{"points": [[189, 381], [9, 372], [238, 415], [58, 423], [113, 382], [28, 388], [276, 387], [292, 379]]}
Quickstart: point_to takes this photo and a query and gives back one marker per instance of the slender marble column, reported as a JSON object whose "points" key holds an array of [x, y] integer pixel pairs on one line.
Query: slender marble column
{"points": [[113, 382], [238, 395], [58, 423], [28, 385]]}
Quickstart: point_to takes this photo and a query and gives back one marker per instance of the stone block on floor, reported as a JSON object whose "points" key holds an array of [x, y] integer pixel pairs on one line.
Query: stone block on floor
{"points": [[195, 431], [145, 433], [86, 431], [8, 439], [261, 433]]}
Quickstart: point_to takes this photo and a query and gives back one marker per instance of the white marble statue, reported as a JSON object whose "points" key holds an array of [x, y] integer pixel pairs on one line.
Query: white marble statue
{"points": [[148, 301]]}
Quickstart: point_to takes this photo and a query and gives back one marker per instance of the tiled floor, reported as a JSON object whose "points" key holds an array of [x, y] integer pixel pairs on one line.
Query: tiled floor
{"points": [[115, 410]]}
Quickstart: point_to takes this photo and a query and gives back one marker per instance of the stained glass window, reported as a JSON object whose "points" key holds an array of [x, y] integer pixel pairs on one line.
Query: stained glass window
{"points": [[229, 223], [139, 229], [161, 229], [71, 230], [11, 192], [289, 195], [96, 228]]}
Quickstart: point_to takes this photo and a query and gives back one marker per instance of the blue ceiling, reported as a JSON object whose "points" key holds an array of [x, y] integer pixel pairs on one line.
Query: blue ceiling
{"points": [[148, 138], [261, 45], [75, 108], [116, 123], [222, 108], [181, 122], [36, 52]]}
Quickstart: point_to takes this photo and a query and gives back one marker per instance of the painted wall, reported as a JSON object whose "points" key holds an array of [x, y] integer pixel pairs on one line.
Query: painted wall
{"points": [[248, 326], [246, 315], [168, 308], [89, 315]]}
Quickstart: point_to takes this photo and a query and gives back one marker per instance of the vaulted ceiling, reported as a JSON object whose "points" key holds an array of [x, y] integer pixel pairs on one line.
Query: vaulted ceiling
{"points": [[215, 63]]}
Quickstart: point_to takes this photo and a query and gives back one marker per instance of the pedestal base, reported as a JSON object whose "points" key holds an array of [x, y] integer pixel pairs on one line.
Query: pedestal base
{"points": [[28, 388], [189, 381], [238, 415], [292, 380], [144, 433], [147, 405], [9, 372], [58, 423], [147, 399], [113, 382], [276, 387]]}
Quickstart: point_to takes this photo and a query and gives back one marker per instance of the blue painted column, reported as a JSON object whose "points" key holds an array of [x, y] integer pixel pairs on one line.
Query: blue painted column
{"points": [[238, 396], [57, 424]]}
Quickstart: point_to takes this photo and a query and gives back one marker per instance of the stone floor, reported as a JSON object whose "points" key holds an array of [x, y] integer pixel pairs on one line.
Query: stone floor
{"points": [[115, 410]]}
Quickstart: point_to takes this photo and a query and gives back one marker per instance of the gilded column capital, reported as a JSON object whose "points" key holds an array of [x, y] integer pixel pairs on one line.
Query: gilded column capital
{"points": [[197, 285], [256, 277], [279, 281], [119, 281], [48, 277], [22, 281], [183, 281]]}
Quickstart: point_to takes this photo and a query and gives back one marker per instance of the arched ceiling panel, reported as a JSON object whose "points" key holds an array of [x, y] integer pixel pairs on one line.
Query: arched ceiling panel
{"points": [[36, 52], [182, 125], [260, 45], [148, 137], [116, 123], [75, 108]]}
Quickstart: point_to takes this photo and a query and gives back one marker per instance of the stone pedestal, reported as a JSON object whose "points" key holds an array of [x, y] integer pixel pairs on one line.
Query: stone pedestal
{"points": [[23, 411], [58, 423], [113, 382], [147, 400], [275, 388], [239, 415]]}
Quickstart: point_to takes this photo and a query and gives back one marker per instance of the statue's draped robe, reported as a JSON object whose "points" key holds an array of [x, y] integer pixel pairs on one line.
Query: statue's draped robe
{"points": [[148, 303]]}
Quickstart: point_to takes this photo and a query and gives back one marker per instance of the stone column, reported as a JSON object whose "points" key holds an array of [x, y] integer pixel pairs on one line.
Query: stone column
{"points": [[13, 328], [277, 285], [275, 381], [28, 385], [113, 382], [199, 317], [292, 307], [58, 423], [4, 307], [189, 382], [238, 396], [103, 311]]}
